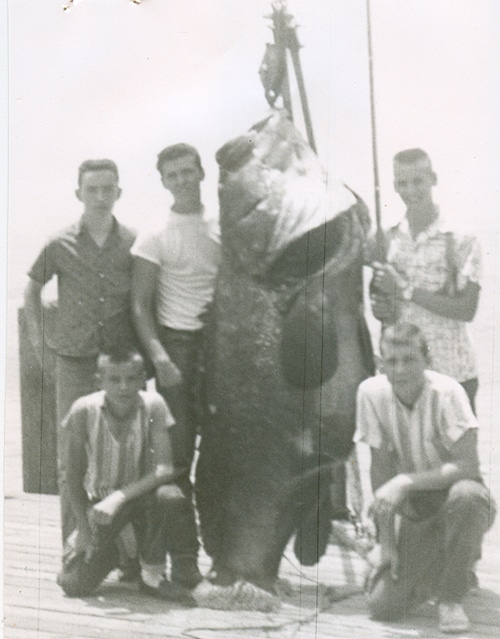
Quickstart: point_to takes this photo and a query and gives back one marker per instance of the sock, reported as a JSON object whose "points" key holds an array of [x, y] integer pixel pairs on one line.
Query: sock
{"points": [[152, 574]]}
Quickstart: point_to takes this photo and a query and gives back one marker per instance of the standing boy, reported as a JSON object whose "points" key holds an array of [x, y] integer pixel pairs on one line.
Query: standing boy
{"points": [[431, 506], [432, 275], [173, 283], [118, 469], [93, 265]]}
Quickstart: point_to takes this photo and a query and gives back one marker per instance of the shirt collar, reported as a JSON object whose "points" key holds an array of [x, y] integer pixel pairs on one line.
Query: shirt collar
{"points": [[104, 404], [80, 227], [440, 225]]}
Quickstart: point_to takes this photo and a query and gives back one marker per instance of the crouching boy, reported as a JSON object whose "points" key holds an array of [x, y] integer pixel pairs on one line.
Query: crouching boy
{"points": [[117, 467], [431, 506]]}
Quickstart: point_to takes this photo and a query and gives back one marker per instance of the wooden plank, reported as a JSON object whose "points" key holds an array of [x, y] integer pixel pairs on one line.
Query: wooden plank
{"points": [[38, 411], [23, 633]]}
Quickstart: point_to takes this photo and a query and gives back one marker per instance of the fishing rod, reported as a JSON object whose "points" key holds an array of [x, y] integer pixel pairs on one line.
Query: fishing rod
{"points": [[380, 244], [274, 69]]}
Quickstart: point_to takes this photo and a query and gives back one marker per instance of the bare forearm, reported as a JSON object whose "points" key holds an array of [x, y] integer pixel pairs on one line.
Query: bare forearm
{"points": [[146, 328], [163, 474], [443, 477], [79, 503], [33, 314], [457, 308]]}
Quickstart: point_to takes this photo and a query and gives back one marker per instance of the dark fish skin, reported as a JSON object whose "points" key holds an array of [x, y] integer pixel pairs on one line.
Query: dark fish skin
{"points": [[288, 348]]}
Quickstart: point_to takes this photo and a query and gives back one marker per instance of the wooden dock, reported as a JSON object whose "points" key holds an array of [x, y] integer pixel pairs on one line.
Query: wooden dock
{"points": [[326, 601]]}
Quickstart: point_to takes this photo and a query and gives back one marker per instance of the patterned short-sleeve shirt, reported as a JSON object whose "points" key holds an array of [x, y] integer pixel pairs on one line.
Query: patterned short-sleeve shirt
{"points": [[438, 255], [94, 284]]}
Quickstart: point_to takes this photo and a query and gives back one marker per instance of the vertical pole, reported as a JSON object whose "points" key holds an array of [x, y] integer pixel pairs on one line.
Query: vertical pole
{"points": [[378, 217], [294, 51]]}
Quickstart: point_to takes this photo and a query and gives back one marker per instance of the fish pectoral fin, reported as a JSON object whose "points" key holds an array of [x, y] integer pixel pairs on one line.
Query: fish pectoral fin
{"points": [[308, 350]]}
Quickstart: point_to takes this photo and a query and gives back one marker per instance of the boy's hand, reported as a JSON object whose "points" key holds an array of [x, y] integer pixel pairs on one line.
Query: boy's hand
{"points": [[390, 495], [387, 280], [103, 512], [384, 308], [167, 373]]}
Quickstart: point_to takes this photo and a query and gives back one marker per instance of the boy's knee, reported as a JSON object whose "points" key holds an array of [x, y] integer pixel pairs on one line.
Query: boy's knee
{"points": [[73, 584], [471, 497], [81, 578]]}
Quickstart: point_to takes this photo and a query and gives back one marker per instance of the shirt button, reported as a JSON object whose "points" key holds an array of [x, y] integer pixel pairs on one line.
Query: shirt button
{"points": [[101, 324], [102, 299], [101, 275]]}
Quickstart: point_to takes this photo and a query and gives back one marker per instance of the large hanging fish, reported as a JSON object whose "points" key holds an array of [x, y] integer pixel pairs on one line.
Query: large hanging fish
{"points": [[289, 348]]}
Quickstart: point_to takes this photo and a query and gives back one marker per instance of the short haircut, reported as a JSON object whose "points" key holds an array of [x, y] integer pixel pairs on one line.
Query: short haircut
{"points": [[119, 355], [177, 151], [412, 156], [403, 334], [96, 165]]}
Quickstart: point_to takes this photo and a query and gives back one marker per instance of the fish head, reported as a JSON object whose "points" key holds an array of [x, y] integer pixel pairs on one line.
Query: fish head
{"points": [[272, 192]]}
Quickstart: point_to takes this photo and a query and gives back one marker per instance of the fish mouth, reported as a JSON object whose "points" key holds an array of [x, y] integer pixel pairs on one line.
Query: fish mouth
{"points": [[273, 192]]}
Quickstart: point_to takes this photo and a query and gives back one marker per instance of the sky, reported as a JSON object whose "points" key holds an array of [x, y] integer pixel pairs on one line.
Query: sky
{"points": [[109, 78]]}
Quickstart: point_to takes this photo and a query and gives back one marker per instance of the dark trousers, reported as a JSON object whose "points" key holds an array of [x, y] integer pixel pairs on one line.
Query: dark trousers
{"points": [[186, 401], [162, 523], [436, 549]]}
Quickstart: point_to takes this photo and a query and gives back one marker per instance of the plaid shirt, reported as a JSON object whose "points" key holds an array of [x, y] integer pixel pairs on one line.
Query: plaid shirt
{"points": [[437, 258], [93, 289]]}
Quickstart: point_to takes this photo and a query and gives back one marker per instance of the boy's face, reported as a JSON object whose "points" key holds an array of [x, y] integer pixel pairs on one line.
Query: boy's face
{"points": [[122, 383], [404, 365], [413, 183], [98, 191], [182, 177]]}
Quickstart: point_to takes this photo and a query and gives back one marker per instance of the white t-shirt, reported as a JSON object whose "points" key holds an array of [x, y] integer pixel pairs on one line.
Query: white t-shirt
{"points": [[187, 254]]}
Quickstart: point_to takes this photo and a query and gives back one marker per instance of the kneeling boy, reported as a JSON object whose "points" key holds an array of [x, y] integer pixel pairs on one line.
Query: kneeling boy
{"points": [[117, 467], [431, 506]]}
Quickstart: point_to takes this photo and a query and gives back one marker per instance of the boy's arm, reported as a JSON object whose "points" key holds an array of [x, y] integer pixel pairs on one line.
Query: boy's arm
{"points": [[463, 464], [144, 284], [74, 465], [461, 307], [33, 315]]}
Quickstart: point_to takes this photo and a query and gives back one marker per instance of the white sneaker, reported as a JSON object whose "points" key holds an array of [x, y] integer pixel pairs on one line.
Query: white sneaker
{"points": [[452, 618]]}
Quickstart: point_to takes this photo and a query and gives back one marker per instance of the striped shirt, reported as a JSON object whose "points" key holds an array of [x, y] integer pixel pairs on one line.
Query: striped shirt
{"points": [[112, 463], [420, 437]]}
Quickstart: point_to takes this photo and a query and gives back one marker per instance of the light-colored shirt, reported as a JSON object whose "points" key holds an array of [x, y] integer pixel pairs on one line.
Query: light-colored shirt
{"points": [[437, 256], [113, 463], [94, 283], [421, 437], [188, 259]]}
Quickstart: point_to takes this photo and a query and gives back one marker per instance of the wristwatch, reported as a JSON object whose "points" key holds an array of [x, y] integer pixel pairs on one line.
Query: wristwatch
{"points": [[407, 292]]}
